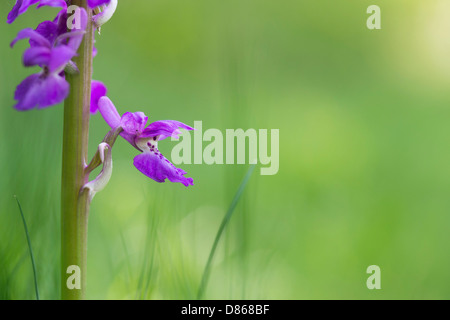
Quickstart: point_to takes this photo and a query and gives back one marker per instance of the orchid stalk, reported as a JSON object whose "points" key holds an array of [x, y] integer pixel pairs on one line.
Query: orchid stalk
{"points": [[64, 49], [75, 208]]}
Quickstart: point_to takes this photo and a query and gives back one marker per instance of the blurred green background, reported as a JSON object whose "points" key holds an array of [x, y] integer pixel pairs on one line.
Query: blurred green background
{"points": [[364, 161]]}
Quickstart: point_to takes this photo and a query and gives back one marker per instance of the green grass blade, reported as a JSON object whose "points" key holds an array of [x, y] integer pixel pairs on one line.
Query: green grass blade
{"points": [[224, 223], [29, 247]]}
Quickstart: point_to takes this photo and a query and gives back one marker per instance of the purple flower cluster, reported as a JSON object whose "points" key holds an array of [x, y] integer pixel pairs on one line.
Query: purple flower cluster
{"points": [[52, 48]]}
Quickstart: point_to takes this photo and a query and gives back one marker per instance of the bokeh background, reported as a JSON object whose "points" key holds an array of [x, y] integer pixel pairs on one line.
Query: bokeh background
{"points": [[364, 153]]}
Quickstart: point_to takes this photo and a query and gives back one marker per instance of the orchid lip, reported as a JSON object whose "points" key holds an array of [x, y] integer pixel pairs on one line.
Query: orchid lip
{"points": [[145, 144]]}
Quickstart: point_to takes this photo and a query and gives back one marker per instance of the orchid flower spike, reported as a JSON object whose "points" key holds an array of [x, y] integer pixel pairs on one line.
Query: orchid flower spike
{"points": [[145, 139], [52, 48]]}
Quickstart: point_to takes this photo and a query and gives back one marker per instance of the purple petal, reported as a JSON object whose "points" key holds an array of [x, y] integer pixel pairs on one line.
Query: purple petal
{"points": [[109, 112], [60, 56], [54, 90], [134, 123], [53, 3], [51, 30], [19, 8], [164, 129], [32, 35], [47, 29], [37, 56], [14, 13], [22, 94], [96, 3], [26, 4], [22, 6], [98, 90], [155, 166], [40, 91]]}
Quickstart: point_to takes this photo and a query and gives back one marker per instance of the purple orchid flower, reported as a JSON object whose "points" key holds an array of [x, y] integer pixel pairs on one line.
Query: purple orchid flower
{"points": [[22, 6], [47, 87], [56, 31], [150, 162]]}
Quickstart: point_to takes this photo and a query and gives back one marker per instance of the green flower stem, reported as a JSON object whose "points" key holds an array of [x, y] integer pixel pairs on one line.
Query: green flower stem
{"points": [[75, 206]]}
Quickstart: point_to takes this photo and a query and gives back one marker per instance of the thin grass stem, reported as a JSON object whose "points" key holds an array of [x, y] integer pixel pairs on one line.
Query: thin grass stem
{"points": [[29, 248], [224, 223]]}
